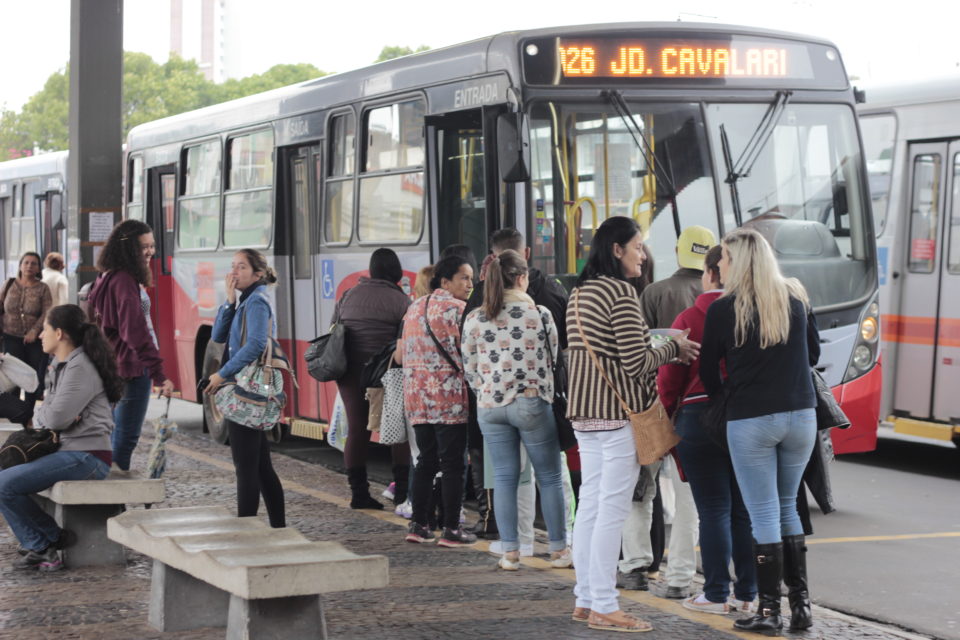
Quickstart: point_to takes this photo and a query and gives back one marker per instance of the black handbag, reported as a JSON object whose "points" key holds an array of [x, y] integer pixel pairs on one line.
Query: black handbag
{"points": [[327, 355], [377, 365], [829, 413], [27, 445], [565, 433]]}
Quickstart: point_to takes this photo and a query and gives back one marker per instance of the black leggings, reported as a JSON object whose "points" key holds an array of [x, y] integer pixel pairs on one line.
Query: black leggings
{"points": [[255, 474], [442, 448]]}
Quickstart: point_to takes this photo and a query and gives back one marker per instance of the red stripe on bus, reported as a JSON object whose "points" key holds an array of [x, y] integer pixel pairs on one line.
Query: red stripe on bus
{"points": [[920, 330]]}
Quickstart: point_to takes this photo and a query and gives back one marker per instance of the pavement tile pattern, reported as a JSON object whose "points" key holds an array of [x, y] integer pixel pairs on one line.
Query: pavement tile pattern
{"points": [[434, 593]]}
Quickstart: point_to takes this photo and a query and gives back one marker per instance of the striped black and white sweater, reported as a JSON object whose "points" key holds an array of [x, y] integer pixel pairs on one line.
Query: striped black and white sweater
{"points": [[614, 326]]}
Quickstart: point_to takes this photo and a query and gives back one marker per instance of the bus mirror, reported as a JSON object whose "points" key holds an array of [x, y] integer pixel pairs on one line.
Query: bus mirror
{"points": [[513, 147], [56, 212]]}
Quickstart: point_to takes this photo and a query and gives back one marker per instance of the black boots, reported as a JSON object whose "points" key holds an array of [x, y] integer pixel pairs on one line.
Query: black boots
{"points": [[361, 490], [795, 577], [769, 561], [401, 482]]}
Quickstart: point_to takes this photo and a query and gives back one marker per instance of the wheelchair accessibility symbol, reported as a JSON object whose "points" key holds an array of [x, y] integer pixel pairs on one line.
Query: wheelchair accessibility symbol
{"points": [[326, 282]]}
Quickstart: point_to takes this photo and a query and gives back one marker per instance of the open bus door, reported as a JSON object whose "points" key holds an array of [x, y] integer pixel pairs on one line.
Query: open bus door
{"points": [[302, 166], [467, 202], [161, 207]]}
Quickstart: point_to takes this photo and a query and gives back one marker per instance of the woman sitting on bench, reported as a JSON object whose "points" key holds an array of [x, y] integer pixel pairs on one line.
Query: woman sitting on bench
{"points": [[81, 383]]}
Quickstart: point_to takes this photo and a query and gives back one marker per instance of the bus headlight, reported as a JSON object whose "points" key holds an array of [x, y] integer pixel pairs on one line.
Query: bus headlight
{"points": [[868, 329], [862, 357]]}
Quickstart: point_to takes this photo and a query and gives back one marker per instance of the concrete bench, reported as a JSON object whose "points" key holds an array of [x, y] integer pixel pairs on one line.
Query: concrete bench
{"points": [[83, 506], [211, 568]]}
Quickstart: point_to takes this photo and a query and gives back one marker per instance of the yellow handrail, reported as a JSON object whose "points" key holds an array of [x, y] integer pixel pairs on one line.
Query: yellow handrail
{"points": [[573, 229]]}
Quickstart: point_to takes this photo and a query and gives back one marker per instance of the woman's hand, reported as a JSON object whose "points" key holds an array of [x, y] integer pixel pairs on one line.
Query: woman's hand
{"points": [[215, 381], [231, 282], [689, 350], [166, 389], [31, 337]]}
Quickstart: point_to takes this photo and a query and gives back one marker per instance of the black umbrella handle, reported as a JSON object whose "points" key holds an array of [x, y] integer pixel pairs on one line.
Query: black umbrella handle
{"points": [[166, 410]]}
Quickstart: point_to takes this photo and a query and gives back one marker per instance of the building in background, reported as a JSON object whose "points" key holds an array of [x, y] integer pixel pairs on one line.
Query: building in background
{"points": [[200, 30]]}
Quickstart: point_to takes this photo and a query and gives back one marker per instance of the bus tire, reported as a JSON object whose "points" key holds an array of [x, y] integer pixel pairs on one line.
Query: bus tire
{"points": [[211, 424]]}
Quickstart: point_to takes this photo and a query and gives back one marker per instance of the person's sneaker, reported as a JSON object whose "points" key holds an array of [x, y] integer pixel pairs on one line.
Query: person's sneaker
{"points": [[456, 538], [509, 564], [742, 606], [38, 559], [419, 533], [389, 492], [404, 510], [675, 593], [635, 580], [700, 603], [561, 559]]}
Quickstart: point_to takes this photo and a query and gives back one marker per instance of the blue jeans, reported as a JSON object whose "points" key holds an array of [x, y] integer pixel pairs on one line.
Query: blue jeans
{"points": [[724, 521], [128, 417], [531, 421], [769, 455], [33, 527]]}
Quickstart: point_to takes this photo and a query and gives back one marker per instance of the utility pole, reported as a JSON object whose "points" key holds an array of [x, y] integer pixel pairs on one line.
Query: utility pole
{"points": [[95, 167]]}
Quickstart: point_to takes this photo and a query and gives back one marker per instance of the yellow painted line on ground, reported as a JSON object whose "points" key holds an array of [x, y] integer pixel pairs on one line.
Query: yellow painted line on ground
{"points": [[901, 536]]}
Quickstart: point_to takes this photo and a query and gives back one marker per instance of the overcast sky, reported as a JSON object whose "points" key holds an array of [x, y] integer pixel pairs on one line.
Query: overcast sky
{"points": [[910, 40]]}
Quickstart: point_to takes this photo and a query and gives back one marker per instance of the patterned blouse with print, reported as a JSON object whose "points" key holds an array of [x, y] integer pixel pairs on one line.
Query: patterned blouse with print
{"points": [[24, 308], [434, 392]]}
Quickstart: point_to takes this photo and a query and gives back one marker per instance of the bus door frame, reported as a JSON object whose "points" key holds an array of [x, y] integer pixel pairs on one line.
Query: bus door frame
{"points": [[946, 362], [304, 286], [163, 291]]}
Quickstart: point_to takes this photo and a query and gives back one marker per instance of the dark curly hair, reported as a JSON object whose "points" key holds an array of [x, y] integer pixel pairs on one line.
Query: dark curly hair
{"points": [[122, 251], [71, 319]]}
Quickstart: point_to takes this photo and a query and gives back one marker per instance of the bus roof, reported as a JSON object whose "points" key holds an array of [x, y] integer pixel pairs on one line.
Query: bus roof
{"points": [[38, 165], [920, 92], [488, 55]]}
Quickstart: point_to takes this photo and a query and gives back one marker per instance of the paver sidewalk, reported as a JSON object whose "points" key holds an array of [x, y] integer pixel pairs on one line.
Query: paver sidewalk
{"points": [[434, 593]]}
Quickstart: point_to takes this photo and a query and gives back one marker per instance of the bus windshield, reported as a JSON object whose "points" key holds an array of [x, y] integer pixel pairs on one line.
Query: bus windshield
{"points": [[802, 191], [800, 185]]}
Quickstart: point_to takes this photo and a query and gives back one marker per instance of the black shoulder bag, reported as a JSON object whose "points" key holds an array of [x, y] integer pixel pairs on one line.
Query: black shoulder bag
{"points": [[326, 356], [27, 445], [565, 433]]}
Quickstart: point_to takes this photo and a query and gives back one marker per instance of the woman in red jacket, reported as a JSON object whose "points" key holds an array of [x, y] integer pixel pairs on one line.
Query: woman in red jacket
{"points": [[724, 522], [123, 309]]}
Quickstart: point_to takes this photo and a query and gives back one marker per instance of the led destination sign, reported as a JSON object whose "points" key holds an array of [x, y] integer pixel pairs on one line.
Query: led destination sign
{"points": [[730, 59]]}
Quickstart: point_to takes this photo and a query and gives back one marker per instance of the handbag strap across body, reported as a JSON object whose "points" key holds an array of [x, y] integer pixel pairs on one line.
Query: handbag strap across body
{"points": [[443, 352], [596, 361]]}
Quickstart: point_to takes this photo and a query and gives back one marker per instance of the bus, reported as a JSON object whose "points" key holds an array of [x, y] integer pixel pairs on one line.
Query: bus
{"points": [[911, 139], [548, 130], [33, 212]]}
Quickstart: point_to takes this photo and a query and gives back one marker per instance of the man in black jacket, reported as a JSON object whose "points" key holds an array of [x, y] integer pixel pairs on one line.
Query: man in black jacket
{"points": [[545, 291]]}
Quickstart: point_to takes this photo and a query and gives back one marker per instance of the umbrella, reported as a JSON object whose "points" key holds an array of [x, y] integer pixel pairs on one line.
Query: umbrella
{"points": [[163, 430]]}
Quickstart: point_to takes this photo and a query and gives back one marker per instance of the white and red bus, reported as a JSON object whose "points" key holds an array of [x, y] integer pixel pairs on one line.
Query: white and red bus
{"points": [[548, 130]]}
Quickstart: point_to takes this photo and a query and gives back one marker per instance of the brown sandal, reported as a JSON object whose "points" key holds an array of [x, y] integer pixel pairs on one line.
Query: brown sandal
{"points": [[580, 614], [617, 621]]}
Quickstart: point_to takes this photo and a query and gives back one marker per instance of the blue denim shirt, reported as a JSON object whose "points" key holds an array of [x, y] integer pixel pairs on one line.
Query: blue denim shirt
{"points": [[260, 327]]}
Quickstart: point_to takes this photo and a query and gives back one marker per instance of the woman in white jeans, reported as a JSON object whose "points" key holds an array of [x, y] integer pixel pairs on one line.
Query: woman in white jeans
{"points": [[610, 358]]}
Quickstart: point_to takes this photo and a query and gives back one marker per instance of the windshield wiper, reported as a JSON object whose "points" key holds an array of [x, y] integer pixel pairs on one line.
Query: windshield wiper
{"points": [[751, 152], [620, 106]]}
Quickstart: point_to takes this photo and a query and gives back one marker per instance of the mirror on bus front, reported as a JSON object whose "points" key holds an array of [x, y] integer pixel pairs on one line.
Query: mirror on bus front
{"points": [[56, 212], [513, 147]]}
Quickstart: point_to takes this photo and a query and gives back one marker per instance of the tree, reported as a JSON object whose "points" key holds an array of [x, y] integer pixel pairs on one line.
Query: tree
{"points": [[280, 75], [150, 91], [391, 52]]}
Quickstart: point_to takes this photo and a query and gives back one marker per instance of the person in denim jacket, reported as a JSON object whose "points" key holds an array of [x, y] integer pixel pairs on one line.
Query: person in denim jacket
{"points": [[247, 300], [81, 384]]}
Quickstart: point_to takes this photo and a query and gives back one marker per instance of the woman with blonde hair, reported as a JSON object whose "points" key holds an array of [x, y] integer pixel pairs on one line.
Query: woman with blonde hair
{"points": [[763, 331]]}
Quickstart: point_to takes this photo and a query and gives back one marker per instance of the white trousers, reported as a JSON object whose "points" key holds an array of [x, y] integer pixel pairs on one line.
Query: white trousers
{"points": [[527, 500], [685, 530], [609, 471], [637, 547]]}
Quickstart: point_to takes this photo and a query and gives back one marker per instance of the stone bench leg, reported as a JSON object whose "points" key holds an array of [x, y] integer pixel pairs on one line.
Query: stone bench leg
{"points": [[179, 602], [276, 618], [89, 522]]}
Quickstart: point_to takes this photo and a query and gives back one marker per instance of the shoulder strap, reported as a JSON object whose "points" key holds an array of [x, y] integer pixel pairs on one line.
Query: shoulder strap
{"points": [[546, 338], [593, 356], [443, 352]]}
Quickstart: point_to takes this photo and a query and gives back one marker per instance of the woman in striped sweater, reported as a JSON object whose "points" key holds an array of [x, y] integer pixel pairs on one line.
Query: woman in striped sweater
{"points": [[610, 358]]}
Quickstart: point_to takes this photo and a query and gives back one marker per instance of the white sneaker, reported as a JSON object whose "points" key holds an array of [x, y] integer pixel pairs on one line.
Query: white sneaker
{"points": [[561, 559], [700, 603], [404, 510], [388, 493], [741, 606]]}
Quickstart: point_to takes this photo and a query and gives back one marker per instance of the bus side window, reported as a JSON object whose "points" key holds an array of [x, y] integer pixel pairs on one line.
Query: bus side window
{"points": [[199, 204], [953, 263], [246, 207], [338, 198], [925, 200]]}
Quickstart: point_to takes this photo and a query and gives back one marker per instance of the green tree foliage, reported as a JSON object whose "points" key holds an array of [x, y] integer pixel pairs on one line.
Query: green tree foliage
{"points": [[150, 91], [391, 52]]}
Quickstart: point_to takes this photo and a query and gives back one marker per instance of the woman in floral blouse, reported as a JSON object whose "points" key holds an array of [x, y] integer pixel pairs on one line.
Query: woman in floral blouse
{"points": [[26, 301], [508, 348], [435, 397]]}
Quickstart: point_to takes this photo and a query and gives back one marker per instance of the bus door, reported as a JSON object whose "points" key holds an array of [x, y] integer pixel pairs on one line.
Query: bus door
{"points": [[928, 326], [49, 211], [302, 184], [465, 198], [161, 208]]}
